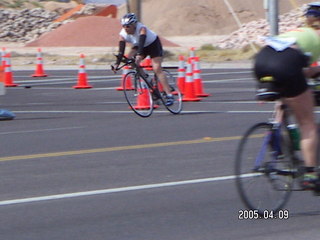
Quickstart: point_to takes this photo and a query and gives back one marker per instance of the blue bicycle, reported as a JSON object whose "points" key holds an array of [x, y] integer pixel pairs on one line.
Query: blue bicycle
{"points": [[268, 163]]}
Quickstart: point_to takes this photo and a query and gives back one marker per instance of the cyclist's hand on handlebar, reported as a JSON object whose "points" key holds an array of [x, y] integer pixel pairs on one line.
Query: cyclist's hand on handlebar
{"points": [[138, 60], [115, 67]]}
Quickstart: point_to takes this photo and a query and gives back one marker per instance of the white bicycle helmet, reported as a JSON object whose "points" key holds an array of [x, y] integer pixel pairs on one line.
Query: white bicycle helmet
{"points": [[129, 18]]}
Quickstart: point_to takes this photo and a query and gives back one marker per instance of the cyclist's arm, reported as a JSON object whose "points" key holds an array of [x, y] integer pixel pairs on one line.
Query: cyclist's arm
{"points": [[142, 40], [139, 48], [122, 48]]}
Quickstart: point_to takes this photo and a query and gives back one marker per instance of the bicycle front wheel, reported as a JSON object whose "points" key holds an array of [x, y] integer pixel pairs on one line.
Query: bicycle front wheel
{"points": [[138, 94], [263, 169]]}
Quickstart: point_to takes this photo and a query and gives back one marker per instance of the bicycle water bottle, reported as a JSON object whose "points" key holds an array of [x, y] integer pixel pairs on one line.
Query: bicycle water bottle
{"points": [[294, 135]]}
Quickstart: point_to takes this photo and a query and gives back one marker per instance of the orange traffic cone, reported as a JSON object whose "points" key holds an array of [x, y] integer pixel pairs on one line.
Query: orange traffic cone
{"points": [[82, 75], [8, 76], [39, 72], [181, 74], [197, 79], [143, 101], [147, 63], [128, 86], [2, 91], [189, 88], [192, 53], [3, 57]]}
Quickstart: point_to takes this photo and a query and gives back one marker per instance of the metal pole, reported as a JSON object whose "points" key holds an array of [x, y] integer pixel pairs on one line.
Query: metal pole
{"points": [[266, 9], [273, 17], [139, 14], [128, 6], [135, 7]]}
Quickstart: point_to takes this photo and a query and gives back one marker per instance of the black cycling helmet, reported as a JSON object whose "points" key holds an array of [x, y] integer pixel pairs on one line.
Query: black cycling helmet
{"points": [[313, 9], [129, 18]]}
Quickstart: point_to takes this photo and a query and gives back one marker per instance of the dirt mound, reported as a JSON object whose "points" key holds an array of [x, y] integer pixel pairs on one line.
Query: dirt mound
{"points": [[204, 17], [91, 31], [168, 18]]}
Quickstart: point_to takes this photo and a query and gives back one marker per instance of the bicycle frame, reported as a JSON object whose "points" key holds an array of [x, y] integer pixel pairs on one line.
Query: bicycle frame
{"points": [[266, 156], [279, 120], [139, 71], [142, 101], [274, 137]]}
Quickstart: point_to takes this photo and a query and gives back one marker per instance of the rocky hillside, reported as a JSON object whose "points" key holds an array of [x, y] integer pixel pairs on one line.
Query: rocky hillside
{"points": [[251, 33], [21, 4], [27, 24]]}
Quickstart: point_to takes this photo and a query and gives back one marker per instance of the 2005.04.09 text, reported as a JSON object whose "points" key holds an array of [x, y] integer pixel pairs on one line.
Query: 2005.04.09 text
{"points": [[266, 214]]}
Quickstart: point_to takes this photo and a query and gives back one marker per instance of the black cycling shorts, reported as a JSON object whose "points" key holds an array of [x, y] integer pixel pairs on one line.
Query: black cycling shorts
{"points": [[286, 68], [153, 50]]}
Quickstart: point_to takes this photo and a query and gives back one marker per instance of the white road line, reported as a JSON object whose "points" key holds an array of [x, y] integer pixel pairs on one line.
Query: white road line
{"points": [[68, 79], [39, 87], [39, 130], [129, 111], [228, 73], [231, 80], [117, 190]]}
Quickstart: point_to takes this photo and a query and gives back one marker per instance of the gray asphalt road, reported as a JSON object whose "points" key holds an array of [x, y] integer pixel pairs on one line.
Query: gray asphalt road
{"points": [[78, 164]]}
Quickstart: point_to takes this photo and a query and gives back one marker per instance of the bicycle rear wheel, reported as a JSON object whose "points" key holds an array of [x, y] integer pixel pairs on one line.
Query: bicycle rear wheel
{"points": [[264, 169], [176, 107], [138, 94]]}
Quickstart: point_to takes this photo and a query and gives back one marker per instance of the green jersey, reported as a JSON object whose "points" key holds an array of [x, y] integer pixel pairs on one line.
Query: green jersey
{"points": [[307, 39]]}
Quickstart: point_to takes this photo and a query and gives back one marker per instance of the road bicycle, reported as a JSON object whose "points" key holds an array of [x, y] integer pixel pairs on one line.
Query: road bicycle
{"points": [[143, 90], [268, 163]]}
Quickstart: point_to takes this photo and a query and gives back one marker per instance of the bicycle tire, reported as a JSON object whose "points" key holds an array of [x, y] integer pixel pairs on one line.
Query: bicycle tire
{"points": [[264, 182], [138, 94], [176, 107]]}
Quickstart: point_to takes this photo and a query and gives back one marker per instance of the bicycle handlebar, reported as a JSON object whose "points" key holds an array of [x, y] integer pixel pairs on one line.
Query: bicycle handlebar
{"points": [[127, 61]]}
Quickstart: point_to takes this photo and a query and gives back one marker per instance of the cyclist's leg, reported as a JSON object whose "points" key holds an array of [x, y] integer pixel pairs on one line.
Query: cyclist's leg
{"points": [[303, 109], [157, 68], [155, 51]]}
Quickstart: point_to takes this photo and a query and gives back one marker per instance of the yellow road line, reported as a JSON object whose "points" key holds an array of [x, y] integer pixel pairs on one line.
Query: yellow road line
{"points": [[120, 148]]}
